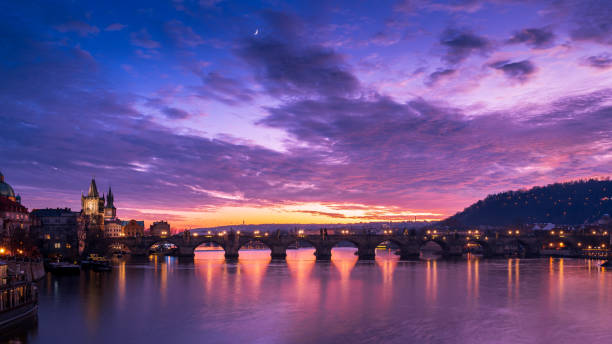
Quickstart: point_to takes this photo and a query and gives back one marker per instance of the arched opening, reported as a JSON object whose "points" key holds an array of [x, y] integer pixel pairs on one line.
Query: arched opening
{"points": [[474, 249], [209, 250], [118, 250], [344, 250], [301, 250], [254, 250], [431, 250], [557, 247], [163, 248], [387, 249]]}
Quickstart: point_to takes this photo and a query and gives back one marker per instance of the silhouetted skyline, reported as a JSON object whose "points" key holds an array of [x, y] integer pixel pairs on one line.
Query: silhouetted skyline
{"points": [[213, 112]]}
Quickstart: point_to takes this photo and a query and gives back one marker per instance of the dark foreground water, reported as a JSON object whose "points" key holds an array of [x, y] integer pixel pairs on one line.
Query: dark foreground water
{"points": [[164, 300]]}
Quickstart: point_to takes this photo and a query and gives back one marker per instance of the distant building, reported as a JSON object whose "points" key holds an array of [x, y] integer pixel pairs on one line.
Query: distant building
{"points": [[133, 228], [15, 221], [160, 229], [56, 232], [113, 229]]}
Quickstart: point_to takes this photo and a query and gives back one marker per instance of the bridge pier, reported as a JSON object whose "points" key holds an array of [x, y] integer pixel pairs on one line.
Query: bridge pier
{"points": [[323, 252], [453, 251], [410, 252], [278, 252], [366, 252], [186, 251]]}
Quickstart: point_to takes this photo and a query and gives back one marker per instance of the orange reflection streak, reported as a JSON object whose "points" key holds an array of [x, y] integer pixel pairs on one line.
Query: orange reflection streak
{"points": [[387, 265], [469, 276], [121, 282], [344, 261], [516, 277], [509, 278], [431, 281], [476, 279], [301, 268], [561, 279]]}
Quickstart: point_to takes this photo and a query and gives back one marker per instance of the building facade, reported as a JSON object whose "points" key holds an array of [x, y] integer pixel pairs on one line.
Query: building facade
{"points": [[15, 221], [113, 229], [56, 232], [160, 229], [133, 228]]}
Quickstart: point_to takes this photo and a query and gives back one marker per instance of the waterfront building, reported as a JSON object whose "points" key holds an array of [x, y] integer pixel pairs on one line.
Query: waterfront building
{"points": [[56, 231], [133, 228], [15, 221], [113, 229], [160, 229]]}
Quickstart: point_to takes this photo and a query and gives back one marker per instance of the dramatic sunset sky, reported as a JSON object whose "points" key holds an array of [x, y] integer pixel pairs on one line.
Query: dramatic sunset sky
{"points": [[213, 112]]}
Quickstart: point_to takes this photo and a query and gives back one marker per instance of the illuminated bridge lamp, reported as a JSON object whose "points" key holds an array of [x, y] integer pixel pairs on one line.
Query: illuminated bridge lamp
{"points": [[428, 232], [552, 232], [579, 244], [517, 232], [266, 234], [425, 237], [2, 250], [603, 245], [237, 232], [435, 231], [194, 234], [476, 231], [594, 232], [509, 232], [561, 233], [469, 232], [551, 244]]}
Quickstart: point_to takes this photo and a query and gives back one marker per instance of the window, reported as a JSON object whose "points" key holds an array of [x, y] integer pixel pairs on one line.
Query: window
{"points": [[47, 236], [68, 246], [57, 245]]}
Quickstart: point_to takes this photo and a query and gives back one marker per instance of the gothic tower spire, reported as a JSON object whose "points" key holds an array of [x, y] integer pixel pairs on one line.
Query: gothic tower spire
{"points": [[93, 189]]}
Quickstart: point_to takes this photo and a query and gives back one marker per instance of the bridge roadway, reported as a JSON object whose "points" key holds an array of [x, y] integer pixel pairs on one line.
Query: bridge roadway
{"points": [[409, 243]]}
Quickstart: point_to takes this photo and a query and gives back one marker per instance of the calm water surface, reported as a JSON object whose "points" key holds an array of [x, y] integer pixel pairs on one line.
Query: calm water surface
{"points": [[164, 300]]}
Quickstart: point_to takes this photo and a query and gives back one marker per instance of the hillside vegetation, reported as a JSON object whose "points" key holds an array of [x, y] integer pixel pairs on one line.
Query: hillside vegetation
{"points": [[560, 203]]}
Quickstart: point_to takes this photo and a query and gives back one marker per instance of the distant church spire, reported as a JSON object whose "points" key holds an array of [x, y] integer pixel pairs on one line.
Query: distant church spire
{"points": [[93, 189], [110, 199]]}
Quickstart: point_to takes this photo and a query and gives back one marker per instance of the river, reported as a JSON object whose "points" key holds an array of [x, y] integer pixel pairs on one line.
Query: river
{"points": [[256, 300]]}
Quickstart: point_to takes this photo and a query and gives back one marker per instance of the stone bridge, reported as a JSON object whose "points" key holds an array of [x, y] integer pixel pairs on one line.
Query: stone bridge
{"points": [[408, 243]]}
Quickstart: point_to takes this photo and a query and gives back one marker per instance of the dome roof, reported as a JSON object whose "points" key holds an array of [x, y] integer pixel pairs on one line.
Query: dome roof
{"points": [[5, 189]]}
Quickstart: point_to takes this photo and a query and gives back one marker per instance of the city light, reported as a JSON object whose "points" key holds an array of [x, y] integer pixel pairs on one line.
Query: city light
{"points": [[194, 234], [517, 232], [2, 250]]}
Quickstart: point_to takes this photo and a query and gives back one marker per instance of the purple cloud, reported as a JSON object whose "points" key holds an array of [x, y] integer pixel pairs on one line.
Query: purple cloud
{"points": [[538, 38], [115, 27], [439, 75], [601, 61], [460, 44], [520, 71], [81, 28], [182, 35], [224, 89], [143, 39]]}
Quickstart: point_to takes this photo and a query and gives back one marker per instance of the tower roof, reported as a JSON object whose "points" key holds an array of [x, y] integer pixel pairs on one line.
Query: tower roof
{"points": [[93, 189], [5, 189]]}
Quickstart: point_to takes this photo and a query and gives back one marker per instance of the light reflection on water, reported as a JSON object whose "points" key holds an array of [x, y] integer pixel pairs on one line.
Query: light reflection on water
{"points": [[257, 300]]}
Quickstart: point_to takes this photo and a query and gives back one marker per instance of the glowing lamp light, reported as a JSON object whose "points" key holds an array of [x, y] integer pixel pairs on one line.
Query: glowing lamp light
{"points": [[428, 232], [561, 233], [510, 232], [194, 234], [237, 232], [2, 250], [594, 232], [266, 234], [551, 244], [517, 232], [552, 232]]}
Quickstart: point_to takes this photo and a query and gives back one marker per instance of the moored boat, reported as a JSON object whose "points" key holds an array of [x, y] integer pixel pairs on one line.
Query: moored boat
{"points": [[18, 298]]}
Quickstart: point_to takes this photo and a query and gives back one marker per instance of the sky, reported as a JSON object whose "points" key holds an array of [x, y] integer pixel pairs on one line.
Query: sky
{"points": [[213, 112]]}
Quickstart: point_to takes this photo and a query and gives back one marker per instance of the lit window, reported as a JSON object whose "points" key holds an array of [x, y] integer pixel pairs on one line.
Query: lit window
{"points": [[57, 245], [47, 236]]}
